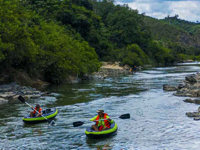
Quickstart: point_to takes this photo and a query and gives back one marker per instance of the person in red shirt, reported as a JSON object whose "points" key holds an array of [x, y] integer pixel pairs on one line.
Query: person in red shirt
{"points": [[102, 120], [37, 111]]}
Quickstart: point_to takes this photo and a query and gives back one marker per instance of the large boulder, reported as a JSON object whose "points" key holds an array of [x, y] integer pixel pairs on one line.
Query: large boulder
{"points": [[195, 93], [190, 92], [196, 101], [191, 79], [167, 87], [180, 86], [184, 93], [196, 115]]}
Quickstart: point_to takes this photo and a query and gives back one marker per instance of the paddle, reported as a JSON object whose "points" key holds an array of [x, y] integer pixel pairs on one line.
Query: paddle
{"points": [[51, 122], [79, 123]]}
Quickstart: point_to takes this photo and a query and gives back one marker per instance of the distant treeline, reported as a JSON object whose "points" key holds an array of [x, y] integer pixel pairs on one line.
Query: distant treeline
{"points": [[54, 39]]}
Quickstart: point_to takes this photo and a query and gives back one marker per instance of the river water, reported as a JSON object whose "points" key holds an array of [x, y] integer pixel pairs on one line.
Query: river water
{"points": [[157, 120]]}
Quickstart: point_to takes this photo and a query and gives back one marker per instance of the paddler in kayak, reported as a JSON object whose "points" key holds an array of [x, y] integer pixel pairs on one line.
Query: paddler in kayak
{"points": [[102, 120], [37, 111]]}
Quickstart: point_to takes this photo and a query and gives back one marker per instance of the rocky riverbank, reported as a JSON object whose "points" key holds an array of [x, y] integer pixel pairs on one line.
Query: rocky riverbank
{"points": [[9, 93], [191, 89], [110, 69]]}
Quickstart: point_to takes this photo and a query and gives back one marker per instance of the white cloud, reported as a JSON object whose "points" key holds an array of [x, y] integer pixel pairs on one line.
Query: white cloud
{"points": [[188, 10]]}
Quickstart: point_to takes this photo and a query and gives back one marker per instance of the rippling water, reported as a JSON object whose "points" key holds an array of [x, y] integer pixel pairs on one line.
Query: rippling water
{"points": [[157, 120]]}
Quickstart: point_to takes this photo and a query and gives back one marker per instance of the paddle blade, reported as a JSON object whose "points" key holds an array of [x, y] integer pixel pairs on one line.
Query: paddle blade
{"points": [[125, 116], [51, 122], [78, 123], [21, 99]]}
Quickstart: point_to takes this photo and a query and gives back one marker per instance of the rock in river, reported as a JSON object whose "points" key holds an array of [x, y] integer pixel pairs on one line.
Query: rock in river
{"points": [[9, 93], [196, 101], [167, 87]]}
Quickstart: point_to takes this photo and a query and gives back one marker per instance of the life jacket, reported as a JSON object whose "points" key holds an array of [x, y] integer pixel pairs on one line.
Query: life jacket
{"points": [[107, 123], [40, 110]]}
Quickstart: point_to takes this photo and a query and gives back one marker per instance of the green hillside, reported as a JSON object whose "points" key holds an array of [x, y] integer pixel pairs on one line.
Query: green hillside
{"points": [[183, 24], [190, 27], [176, 34], [53, 40]]}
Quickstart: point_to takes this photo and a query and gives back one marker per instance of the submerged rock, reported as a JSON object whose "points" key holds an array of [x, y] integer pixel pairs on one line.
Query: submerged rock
{"points": [[196, 118], [196, 115], [196, 101], [9, 93], [193, 114]]}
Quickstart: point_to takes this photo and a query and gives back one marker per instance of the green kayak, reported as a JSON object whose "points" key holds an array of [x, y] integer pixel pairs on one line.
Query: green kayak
{"points": [[101, 134], [48, 113]]}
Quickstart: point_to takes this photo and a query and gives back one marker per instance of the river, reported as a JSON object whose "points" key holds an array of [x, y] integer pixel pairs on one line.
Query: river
{"points": [[158, 119]]}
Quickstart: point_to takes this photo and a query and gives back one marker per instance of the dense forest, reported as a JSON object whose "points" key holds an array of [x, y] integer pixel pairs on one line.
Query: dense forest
{"points": [[54, 39]]}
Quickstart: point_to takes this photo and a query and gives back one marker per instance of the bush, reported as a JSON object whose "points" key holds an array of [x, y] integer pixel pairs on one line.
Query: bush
{"points": [[134, 55]]}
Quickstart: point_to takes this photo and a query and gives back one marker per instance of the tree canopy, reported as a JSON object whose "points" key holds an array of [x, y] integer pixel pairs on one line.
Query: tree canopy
{"points": [[57, 39]]}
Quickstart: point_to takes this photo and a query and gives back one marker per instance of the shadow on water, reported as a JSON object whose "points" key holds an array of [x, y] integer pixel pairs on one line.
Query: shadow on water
{"points": [[100, 144]]}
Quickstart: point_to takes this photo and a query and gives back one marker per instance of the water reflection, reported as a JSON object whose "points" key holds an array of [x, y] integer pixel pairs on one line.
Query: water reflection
{"points": [[104, 147], [37, 132], [97, 143]]}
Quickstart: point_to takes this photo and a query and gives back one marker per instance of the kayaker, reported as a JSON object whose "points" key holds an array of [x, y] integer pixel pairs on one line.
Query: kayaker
{"points": [[102, 120], [37, 111]]}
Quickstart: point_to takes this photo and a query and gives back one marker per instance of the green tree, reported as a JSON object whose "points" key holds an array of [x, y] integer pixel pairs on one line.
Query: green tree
{"points": [[29, 42], [134, 55]]}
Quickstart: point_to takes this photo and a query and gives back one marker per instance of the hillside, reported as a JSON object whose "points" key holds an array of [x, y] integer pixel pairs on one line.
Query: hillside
{"points": [[55, 40], [183, 24], [191, 27], [176, 33]]}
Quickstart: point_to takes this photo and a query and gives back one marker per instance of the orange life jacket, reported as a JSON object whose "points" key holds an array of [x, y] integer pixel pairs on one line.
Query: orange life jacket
{"points": [[107, 123], [40, 110]]}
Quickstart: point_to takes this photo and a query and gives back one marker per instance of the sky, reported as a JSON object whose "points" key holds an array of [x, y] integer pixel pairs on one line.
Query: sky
{"points": [[185, 9]]}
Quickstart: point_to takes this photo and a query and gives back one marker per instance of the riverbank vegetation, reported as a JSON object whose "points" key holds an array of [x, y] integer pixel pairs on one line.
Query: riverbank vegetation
{"points": [[53, 39]]}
